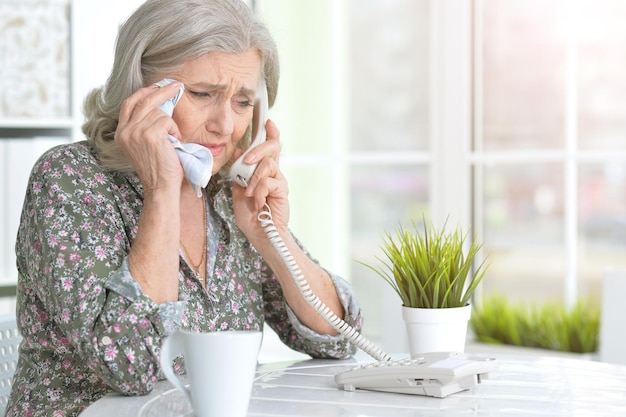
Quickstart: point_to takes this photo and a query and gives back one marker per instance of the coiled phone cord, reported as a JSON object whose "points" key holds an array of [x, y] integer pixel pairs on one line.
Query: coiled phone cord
{"points": [[265, 218]]}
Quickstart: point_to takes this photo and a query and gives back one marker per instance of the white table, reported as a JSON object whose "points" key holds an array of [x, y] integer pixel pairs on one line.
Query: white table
{"points": [[522, 386]]}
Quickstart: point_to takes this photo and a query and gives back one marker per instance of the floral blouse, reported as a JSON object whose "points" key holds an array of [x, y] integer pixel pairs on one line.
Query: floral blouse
{"points": [[87, 328]]}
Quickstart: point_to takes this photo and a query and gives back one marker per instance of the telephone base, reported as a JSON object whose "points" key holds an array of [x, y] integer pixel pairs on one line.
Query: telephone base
{"points": [[435, 374]]}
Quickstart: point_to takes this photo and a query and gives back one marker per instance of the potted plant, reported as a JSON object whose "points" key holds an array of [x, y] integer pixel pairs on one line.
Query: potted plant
{"points": [[435, 280]]}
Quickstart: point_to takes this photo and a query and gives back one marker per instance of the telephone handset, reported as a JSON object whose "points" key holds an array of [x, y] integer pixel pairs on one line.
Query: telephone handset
{"points": [[240, 171]]}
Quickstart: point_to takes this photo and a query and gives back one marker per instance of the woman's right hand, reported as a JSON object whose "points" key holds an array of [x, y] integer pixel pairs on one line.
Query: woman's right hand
{"points": [[142, 135]]}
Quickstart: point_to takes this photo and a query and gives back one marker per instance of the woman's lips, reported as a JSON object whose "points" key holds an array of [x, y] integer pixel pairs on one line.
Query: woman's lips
{"points": [[215, 149]]}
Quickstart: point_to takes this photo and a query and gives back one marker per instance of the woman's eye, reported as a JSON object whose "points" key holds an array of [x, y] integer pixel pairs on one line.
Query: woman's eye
{"points": [[200, 94]]}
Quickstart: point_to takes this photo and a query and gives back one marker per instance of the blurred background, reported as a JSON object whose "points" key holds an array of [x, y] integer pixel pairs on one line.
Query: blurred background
{"points": [[504, 117]]}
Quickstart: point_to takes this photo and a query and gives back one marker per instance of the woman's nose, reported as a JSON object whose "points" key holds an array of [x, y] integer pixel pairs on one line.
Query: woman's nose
{"points": [[220, 120]]}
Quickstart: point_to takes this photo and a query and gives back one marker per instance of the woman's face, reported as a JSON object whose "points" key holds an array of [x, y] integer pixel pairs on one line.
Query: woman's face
{"points": [[216, 107]]}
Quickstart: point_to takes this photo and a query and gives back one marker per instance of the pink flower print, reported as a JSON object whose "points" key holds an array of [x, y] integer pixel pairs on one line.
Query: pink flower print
{"points": [[130, 355], [240, 288], [74, 257], [52, 241], [100, 178], [236, 308], [110, 353], [60, 262], [67, 283], [100, 253], [68, 170], [117, 328]]}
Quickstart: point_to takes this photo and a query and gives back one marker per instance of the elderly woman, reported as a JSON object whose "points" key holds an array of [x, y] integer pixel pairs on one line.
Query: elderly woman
{"points": [[115, 249]]}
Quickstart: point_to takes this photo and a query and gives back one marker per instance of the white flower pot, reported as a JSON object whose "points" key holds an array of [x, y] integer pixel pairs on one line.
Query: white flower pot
{"points": [[436, 329]]}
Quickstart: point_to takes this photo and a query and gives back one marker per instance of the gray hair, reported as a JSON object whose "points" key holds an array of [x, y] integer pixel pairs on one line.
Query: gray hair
{"points": [[158, 38]]}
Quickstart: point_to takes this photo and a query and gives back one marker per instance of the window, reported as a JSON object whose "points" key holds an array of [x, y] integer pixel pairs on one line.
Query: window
{"points": [[548, 156]]}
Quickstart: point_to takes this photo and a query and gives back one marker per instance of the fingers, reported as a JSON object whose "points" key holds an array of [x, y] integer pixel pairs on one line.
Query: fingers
{"points": [[270, 188], [266, 155], [145, 100], [273, 190], [140, 110], [141, 131], [270, 148], [267, 185], [267, 168]]}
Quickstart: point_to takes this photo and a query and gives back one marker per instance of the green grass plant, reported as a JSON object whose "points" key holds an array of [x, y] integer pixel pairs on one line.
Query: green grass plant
{"points": [[549, 325], [428, 267]]}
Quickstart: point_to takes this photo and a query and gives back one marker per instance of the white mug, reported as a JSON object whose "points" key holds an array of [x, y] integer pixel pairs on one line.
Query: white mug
{"points": [[220, 368]]}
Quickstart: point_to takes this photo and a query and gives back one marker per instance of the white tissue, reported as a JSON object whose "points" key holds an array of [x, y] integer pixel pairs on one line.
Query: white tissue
{"points": [[197, 161]]}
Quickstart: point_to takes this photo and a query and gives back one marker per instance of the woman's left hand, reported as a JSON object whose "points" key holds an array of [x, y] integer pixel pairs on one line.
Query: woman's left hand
{"points": [[267, 185]]}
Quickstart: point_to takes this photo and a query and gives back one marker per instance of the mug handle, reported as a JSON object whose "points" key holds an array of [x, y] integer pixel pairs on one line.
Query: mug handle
{"points": [[173, 347]]}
